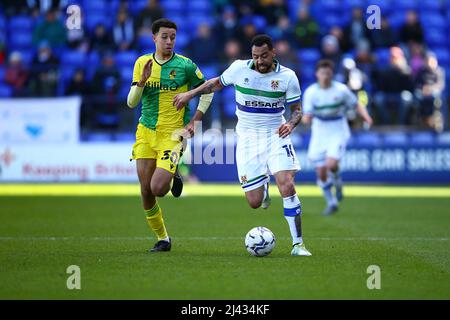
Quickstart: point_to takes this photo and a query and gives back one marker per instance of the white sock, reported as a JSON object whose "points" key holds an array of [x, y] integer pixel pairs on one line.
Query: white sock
{"points": [[293, 214], [326, 188]]}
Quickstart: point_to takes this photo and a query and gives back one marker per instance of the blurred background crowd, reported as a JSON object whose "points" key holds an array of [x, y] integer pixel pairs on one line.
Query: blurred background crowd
{"points": [[399, 71]]}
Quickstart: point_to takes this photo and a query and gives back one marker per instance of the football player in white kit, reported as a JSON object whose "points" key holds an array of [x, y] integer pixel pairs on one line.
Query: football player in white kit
{"points": [[325, 104], [263, 89]]}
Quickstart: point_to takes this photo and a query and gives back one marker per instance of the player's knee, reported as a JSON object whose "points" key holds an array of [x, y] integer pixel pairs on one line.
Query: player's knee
{"points": [[159, 189], [287, 188], [254, 203]]}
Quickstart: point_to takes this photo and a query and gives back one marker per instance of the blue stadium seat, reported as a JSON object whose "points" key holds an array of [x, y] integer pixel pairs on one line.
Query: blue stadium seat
{"points": [[386, 6], [126, 58], [395, 138], [443, 56], [443, 138], [20, 40], [434, 37], [2, 73], [403, 5], [422, 138], [331, 6], [124, 136], [145, 42], [67, 74], [431, 5], [209, 71], [368, 139], [108, 119], [21, 23], [382, 56], [95, 6], [173, 6], [308, 55], [396, 20], [73, 58], [201, 6], [349, 4], [182, 39], [2, 23], [27, 56], [126, 73], [5, 91], [229, 102], [98, 137], [93, 19], [432, 20]]}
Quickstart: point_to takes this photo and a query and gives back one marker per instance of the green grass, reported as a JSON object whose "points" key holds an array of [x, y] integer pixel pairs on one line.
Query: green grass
{"points": [[409, 238]]}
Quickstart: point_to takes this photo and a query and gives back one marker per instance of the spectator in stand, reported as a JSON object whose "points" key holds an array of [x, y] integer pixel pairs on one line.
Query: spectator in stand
{"points": [[430, 84], [16, 74], [248, 32], [395, 86], [227, 27], [286, 55], [79, 86], [356, 31], [231, 52], [344, 45], [123, 31], [13, 8], [282, 30], [364, 58], [306, 30], [101, 40], [416, 57], [77, 38], [51, 30], [44, 76], [412, 30], [107, 82], [330, 50], [151, 12], [384, 37], [203, 48], [273, 10]]}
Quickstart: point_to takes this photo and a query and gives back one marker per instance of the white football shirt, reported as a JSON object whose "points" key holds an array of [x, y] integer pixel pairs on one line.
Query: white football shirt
{"points": [[261, 98]]}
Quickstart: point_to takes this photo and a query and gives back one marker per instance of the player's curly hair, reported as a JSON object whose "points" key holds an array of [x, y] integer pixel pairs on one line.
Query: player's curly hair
{"points": [[262, 39], [163, 23]]}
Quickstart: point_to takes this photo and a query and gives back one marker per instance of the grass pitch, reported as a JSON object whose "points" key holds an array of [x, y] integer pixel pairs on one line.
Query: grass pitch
{"points": [[406, 234]]}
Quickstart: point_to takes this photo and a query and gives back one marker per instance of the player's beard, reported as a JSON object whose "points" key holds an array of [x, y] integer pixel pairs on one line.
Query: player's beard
{"points": [[266, 67]]}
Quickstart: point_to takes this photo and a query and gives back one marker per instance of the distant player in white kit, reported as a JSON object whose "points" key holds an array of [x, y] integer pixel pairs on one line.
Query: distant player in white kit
{"points": [[325, 104], [263, 89]]}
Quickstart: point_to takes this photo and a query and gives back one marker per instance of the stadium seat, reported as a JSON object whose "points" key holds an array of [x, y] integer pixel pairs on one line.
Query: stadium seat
{"points": [[20, 40], [126, 73], [368, 139], [404, 5], [396, 20], [435, 37], [229, 102], [27, 56], [98, 137], [2, 23], [92, 20], [173, 6], [73, 58], [386, 6], [431, 5], [108, 120], [422, 138], [5, 91], [331, 6], [126, 58], [395, 138], [308, 55], [443, 138], [124, 136], [443, 56], [382, 56], [2, 73], [433, 20], [200, 6], [209, 71], [22, 23], [350, 4], [182, 39]]}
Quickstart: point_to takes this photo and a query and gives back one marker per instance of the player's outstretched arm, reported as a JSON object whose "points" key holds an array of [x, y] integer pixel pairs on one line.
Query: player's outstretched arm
{"points": [[135, 94], [362, 111], [296, 116], [181, 99]]}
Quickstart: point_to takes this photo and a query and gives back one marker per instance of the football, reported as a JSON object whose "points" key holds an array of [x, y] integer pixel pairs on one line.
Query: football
{"points": [[260, 241]]}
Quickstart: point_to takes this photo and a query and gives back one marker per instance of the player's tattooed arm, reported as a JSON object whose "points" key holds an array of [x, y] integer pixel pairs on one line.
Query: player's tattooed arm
{"points": [[181, 99], [296, 116]]}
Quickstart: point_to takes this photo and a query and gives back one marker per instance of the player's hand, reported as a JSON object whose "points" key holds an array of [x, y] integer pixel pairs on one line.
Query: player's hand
{"points": [[189, 129], [285, 129], [146, 73], [181, 99], [369, 121]]}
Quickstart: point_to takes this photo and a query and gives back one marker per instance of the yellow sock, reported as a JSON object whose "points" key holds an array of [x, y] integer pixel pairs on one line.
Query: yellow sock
{"points": [[156, 222]]}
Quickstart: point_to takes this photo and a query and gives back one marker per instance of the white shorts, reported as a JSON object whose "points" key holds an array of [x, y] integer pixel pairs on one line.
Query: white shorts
{"points": [[260, 154]]}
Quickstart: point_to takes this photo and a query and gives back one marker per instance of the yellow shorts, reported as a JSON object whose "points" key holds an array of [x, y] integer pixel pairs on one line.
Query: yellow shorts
{"points": [[166, 148]]}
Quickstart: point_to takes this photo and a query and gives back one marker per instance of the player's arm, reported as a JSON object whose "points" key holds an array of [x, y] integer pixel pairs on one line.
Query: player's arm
{"points": [[362, 111], [296, 116], [137, 87], [210, 86]]}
